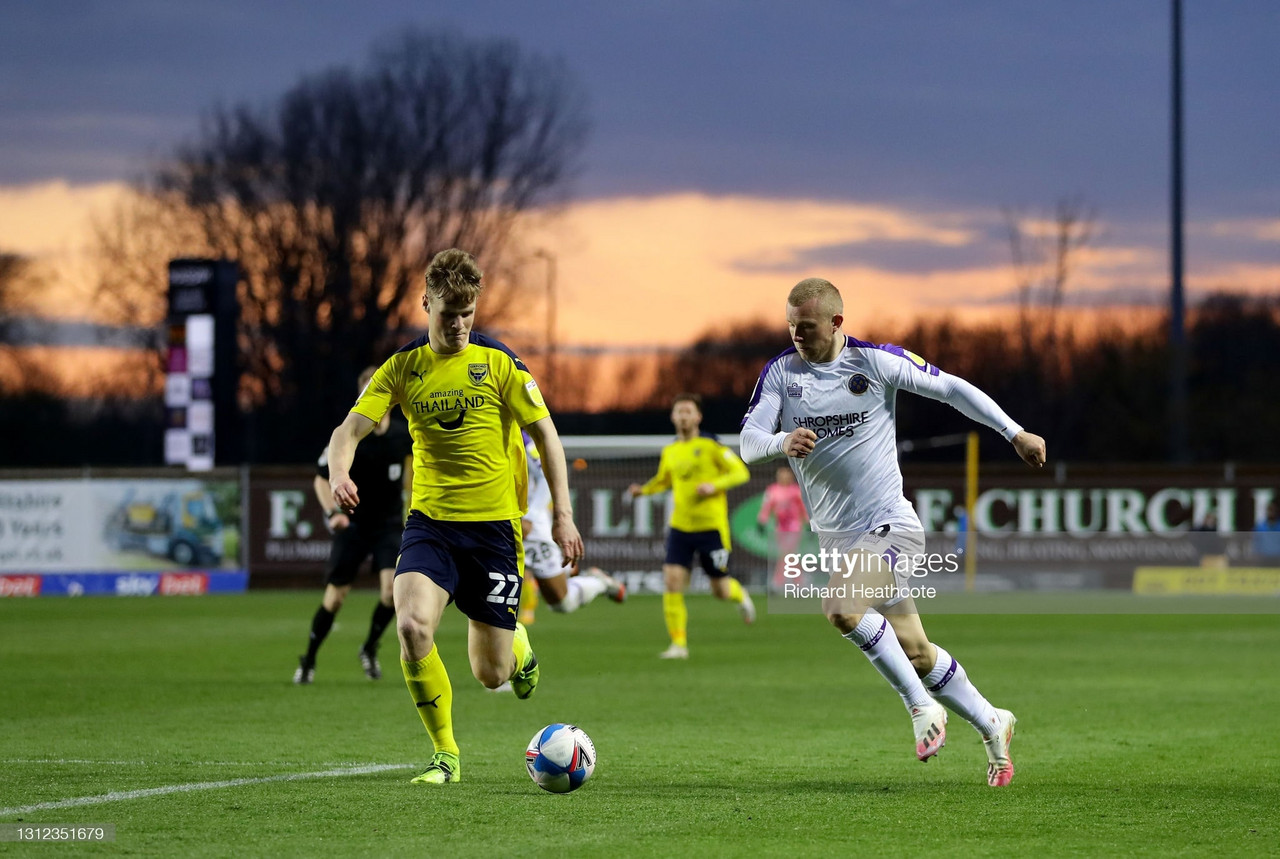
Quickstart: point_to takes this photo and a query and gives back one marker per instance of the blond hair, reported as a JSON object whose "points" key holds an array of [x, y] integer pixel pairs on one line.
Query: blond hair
{"points": [[454, 277], [829, 301]]}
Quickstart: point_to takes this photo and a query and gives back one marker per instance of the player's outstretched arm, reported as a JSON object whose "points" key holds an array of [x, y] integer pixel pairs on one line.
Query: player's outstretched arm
{"points": [[660, 482], [563, 529], [1030, 447], [965, 397], [342, 450], [733, 471]]}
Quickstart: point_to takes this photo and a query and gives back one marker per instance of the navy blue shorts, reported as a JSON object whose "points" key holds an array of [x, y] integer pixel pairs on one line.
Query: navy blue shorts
{"points": [[355, 543], [707, 545], [479, 564]]}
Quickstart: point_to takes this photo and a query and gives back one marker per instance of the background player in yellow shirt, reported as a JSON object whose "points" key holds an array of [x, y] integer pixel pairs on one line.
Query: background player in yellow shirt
{"points": [[466, 397], [698, 470]]}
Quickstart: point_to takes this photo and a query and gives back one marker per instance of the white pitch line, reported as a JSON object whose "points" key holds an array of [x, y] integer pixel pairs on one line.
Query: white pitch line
{"points": [[172, 763], [116, 796]]}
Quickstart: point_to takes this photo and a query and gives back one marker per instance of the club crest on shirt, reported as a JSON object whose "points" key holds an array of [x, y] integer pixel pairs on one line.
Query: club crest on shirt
{"points": [[478, 372], [795, 389], [858, 384]]}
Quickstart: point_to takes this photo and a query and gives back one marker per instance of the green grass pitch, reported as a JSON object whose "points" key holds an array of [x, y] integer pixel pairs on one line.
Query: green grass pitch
{"points": [[1138, 735]]}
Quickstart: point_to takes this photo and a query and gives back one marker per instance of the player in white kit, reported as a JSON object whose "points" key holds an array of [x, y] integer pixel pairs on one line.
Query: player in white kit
{"points": [[562, 590], [828, 404]]}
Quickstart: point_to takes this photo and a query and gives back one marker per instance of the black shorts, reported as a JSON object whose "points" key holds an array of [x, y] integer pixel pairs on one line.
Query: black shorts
{"points": [[355, 543], [707, 545], [479, 564]]}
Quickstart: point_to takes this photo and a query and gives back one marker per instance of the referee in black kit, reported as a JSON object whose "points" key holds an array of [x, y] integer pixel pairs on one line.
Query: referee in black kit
{"points": [[383, 467]]}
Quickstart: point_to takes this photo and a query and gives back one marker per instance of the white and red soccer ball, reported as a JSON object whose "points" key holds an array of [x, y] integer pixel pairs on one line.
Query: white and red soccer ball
{"points": [[560, 758]]}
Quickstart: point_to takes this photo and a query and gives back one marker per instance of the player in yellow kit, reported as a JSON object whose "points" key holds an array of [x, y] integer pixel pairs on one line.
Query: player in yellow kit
{"points": [[698, 470], [466, 397]]}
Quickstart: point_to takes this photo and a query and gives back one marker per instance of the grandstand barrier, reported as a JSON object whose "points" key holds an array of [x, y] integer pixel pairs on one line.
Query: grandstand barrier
{"points": [[1063, 528]]}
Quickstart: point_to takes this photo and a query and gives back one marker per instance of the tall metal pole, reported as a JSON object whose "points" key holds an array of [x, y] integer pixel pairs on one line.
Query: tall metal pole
{"points": [[550, 260], [970, 505], [1179, 445]]}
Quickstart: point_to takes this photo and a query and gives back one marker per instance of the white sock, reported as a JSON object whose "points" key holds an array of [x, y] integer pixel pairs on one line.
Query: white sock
{"points": [[949, 683], [581, 590], [875, 637]]}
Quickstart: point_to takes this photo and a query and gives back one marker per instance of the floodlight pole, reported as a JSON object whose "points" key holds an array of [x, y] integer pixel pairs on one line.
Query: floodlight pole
{"points": [[1179, 447], [549, 258], [970, 506]]}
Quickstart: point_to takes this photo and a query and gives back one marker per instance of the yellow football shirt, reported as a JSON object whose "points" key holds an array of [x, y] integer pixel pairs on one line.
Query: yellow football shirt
{"points": [[686, 464], [465, 412]]}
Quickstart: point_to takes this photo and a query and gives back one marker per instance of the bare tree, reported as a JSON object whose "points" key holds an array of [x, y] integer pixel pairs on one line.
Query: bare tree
{"points": [[1044, 254], [334, 198], [20, 280], [133, 243]]}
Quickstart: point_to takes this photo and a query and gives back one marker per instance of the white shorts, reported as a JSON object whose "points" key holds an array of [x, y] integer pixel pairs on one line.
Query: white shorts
{"points": [[542, 558], [901, 545]]}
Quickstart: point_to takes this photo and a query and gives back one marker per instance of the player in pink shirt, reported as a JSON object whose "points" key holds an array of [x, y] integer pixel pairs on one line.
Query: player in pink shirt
{"points": [[782, 503]]}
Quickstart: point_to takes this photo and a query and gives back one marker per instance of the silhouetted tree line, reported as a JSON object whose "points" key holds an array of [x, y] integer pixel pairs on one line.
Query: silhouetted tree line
{"points": [[1098, 396], [1102, 398], [333, 198]]}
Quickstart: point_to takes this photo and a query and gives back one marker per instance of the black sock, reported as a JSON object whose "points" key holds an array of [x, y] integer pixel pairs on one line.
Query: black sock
{"points": [[382, 615], [320, 626]]}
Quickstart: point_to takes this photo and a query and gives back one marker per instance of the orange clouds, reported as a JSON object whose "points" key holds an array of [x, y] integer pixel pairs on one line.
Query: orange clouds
{"points": [[665, 269]]}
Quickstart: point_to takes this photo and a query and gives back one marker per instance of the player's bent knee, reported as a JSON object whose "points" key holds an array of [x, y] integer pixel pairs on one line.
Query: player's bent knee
{"points": [[921, 658], [415, 636], [490, 676], [844, 621]]}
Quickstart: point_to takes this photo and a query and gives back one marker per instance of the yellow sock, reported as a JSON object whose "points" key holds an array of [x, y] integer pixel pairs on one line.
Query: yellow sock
{"points": [[429, 686], [521, 647], [677, 616], [528, 599], [735, 589]]}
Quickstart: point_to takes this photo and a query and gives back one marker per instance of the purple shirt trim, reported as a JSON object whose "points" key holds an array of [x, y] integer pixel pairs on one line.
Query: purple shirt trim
{"points": [[755, 393], [893, 350]]}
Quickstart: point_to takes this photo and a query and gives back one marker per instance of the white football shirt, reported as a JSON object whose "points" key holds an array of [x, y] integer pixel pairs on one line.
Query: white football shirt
{"points": [[539, 503], [851, 481]]}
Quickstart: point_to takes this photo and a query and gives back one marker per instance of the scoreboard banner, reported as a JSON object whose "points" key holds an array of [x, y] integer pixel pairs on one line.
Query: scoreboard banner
{"points": [[120, 536], [201, 378]]}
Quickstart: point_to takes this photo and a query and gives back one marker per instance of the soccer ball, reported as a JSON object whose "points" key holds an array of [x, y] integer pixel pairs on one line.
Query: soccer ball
{"points": [[560, 758]]}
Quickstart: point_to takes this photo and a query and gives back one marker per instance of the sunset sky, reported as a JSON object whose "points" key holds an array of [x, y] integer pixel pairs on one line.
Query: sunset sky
{"points": [[735, 147]]}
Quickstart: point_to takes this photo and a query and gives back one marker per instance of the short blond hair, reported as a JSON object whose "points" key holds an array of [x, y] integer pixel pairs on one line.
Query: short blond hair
{"points": [[454, 277], [828, 296]]}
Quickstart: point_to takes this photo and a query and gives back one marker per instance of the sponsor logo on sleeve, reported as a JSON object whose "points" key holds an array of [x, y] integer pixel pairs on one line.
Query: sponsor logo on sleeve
{"points": [[920, 363]]}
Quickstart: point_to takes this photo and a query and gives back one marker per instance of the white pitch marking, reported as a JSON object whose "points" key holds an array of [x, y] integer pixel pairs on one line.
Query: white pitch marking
{"points": [[101, 762], [116, 796]]}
